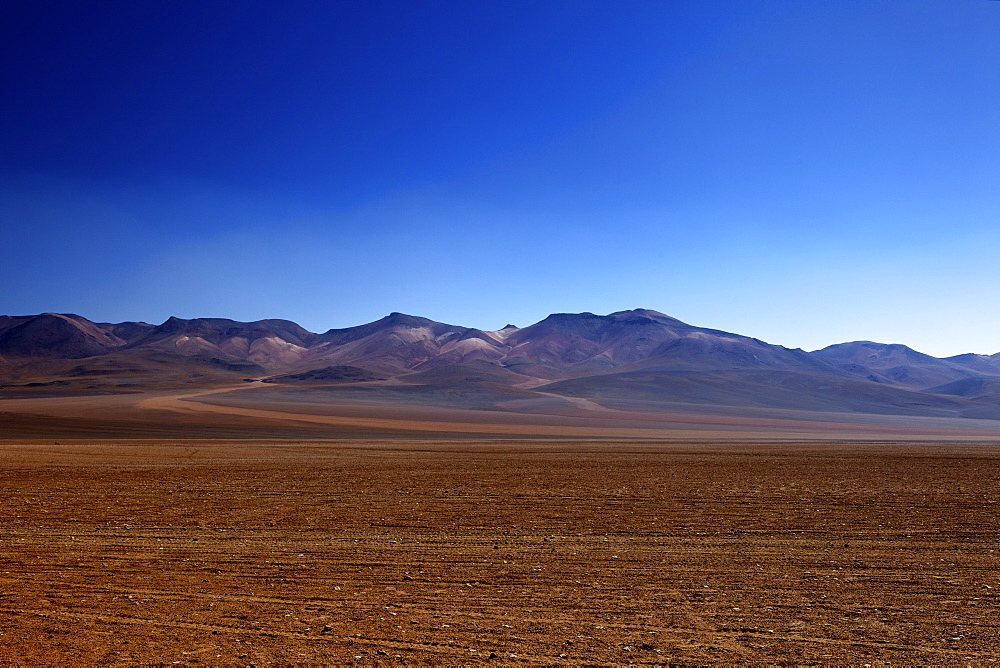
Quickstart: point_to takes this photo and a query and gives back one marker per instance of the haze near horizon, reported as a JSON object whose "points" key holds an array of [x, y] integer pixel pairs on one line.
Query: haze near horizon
{"points": [[803, 173]]}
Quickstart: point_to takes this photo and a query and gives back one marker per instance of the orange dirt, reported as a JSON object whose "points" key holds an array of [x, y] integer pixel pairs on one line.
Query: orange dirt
{"points": [[512, 552]]}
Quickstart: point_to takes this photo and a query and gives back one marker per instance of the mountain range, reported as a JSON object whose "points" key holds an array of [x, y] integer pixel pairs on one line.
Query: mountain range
{"points": [[638, 360]]}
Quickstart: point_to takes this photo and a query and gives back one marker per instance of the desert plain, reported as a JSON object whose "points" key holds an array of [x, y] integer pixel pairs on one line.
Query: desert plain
{"points": [[498, 551], [247, 524], [188, 477]]}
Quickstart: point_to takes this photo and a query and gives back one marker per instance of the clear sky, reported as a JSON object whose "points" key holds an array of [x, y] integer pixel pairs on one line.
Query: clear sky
{"points": [[805, 172]]}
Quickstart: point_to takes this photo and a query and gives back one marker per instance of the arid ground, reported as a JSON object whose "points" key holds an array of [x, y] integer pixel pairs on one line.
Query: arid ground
{"points": [[396, 412], [498, 552]]}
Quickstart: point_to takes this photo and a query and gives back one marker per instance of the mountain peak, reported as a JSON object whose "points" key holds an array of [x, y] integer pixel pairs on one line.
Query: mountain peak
{"points": [[56, 335], [641, 311], [643, 314], [405, 320], [631, 355], [871, 348]]}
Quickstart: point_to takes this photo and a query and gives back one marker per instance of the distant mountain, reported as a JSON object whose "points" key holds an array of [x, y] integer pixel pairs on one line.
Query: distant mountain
{"points": [[51, 335], [574, 345], [400, 342], [985, 364], [898, 364], [635, 360], [273, 344]]}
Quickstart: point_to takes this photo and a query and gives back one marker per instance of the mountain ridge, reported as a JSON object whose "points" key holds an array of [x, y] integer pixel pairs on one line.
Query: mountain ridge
{"points": [[627, 357]]}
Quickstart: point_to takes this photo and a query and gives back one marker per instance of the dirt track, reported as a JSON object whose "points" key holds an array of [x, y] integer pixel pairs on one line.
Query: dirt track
{"points": [[181, 404], [423, 552], [261, 412]]}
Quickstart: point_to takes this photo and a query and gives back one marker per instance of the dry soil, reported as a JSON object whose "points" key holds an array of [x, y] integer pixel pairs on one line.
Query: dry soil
{"points": [[422, 552]]}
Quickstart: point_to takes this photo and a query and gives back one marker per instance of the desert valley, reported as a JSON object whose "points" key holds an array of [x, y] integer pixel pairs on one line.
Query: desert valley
{"points": [[595, 490], [630, 374], [215, 449]]}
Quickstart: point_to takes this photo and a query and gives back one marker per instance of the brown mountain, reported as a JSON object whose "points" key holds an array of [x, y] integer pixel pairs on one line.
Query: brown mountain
{"points": [[638, 360], [574, 345], [272, 344], [52, 335], [67, 353], [899, 365], [400, 343]]}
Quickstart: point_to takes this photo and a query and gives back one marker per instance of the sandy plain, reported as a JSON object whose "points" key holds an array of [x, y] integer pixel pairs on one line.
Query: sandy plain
{"points": [[384, 411], [414, 551]]}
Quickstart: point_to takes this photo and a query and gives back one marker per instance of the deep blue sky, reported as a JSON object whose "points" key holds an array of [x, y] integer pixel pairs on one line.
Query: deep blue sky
{"points": [[803, 172]]}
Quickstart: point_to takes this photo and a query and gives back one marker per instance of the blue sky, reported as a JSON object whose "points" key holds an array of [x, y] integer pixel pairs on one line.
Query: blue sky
{"points": [[803, 172]]}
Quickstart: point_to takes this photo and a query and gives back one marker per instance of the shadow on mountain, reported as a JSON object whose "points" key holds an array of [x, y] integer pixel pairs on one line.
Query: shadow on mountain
{"points": [[757, 388]]}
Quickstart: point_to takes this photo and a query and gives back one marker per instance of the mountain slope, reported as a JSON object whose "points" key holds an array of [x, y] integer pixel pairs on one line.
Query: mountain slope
{"points": [[896, 364], [987, 365], [399, 343], [54, 335], [644, 390], [269, 343], [575, 345], [639, 360]]}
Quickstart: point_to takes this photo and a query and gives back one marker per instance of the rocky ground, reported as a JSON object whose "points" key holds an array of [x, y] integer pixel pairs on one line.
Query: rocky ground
{"points": [[422, 552]]}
